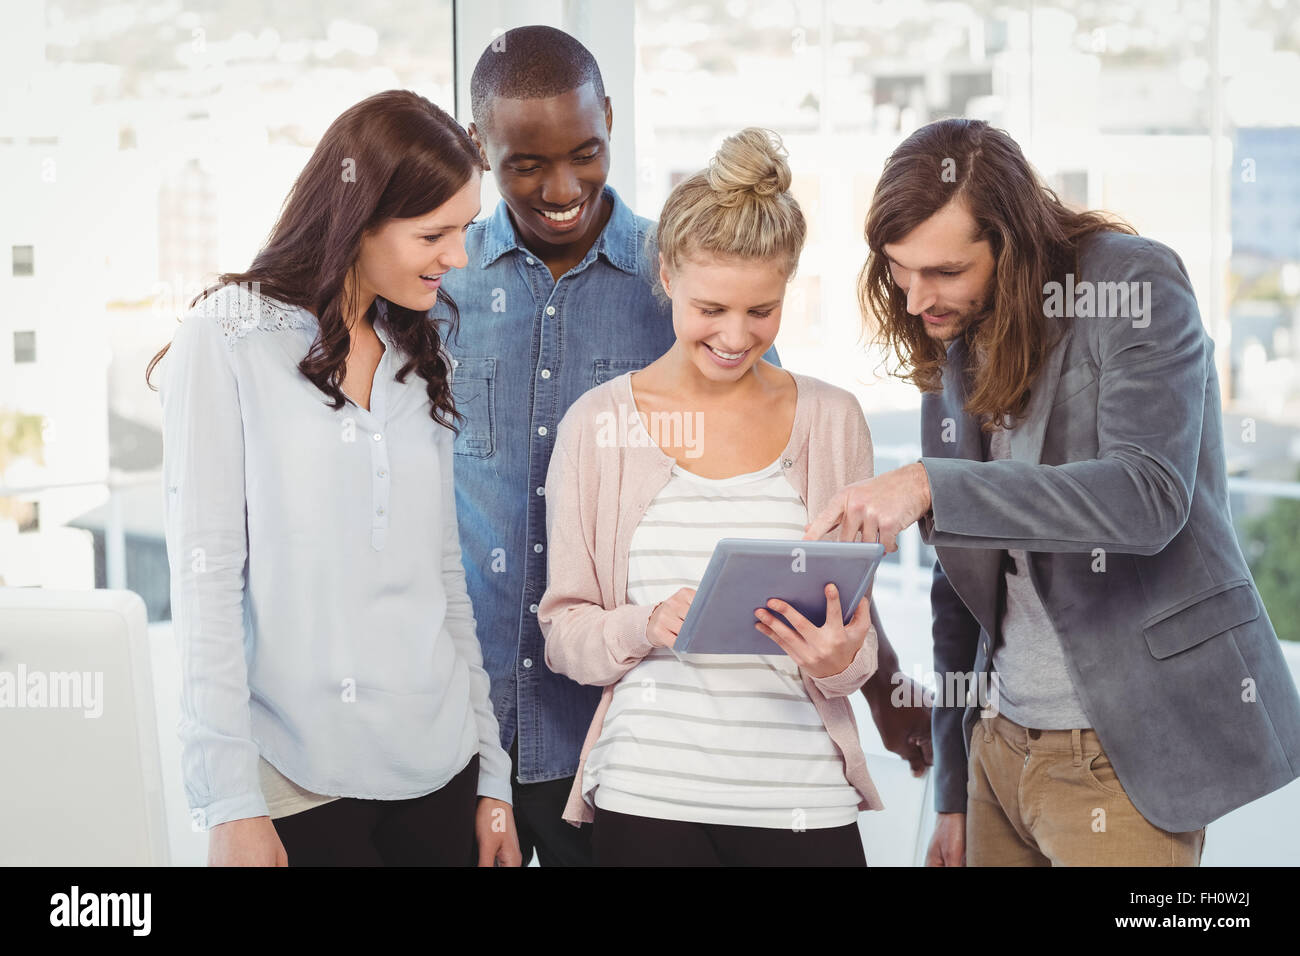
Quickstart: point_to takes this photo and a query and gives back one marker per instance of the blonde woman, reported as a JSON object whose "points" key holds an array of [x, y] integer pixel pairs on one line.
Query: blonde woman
{"points": [[718, 760]]}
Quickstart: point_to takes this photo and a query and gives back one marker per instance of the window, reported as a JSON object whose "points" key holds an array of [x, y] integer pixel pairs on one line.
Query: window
{"points": [[24, 347], [265, 82], [24, 260]]}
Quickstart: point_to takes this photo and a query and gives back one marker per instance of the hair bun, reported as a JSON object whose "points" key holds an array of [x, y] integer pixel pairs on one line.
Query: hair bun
{"points": [[751, 161]]}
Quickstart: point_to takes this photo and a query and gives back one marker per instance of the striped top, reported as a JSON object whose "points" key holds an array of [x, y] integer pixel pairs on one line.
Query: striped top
{"points": [[715, 738]]}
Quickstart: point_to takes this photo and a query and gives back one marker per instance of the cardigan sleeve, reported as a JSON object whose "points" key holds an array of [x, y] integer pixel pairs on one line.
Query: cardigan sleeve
{"points": [[585, 640]]}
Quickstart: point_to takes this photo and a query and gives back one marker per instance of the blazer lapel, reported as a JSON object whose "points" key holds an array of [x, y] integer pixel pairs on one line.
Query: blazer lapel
{"points": [[972, 572], [1027, 436], [955, 390]]}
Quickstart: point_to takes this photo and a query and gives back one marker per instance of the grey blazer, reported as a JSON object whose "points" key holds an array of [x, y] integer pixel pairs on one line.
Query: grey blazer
{"points": [[1170, 649]]}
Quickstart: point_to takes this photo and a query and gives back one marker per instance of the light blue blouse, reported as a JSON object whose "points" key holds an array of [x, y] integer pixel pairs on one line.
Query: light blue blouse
{"points": [[318, 597]]}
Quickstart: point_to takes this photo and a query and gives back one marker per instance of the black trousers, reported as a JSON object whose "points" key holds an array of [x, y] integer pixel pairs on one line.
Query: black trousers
{"points": [[436, 829], [537, 809], [619, 839]]}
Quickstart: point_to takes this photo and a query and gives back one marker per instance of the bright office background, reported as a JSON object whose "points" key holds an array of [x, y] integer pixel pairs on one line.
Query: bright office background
{"points": [[147, 145]]}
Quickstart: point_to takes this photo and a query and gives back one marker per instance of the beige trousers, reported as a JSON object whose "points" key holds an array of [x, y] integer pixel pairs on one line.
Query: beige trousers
{"points": [[1051, 798]]}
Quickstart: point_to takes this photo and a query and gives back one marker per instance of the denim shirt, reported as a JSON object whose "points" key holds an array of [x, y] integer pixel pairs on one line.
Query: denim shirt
{"points": [[527, 347]]}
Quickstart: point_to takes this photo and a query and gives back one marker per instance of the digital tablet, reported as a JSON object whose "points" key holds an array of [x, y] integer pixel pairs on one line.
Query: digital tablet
{"points": [[745, 573]]}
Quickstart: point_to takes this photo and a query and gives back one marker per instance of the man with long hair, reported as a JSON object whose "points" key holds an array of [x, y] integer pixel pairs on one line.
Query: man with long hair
{"points": [[1073, 484]]}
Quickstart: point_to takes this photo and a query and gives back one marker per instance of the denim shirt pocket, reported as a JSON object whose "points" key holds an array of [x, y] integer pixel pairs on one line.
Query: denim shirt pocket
{"points": [[602, 370], [473, 387]]}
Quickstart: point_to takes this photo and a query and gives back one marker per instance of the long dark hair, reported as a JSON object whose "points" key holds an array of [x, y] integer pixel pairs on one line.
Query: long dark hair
{"points": [[394, 155], [1034, 237]]}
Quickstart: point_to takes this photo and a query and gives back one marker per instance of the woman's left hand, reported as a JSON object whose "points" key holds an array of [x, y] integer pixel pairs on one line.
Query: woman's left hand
{"points": [[819, 651], [494, 828]]}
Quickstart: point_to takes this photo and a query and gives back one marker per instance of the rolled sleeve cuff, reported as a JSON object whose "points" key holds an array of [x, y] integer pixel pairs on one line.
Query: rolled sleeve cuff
{"points": [[241, 807], [631, 642], [856, 674], [495, 786]]}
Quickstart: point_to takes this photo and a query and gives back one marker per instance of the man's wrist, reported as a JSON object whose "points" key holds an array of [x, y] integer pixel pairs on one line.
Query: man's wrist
{"points": [[925, 486], [879, 687]]}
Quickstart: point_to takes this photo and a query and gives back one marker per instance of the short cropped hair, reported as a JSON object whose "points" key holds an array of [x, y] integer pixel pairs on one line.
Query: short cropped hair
{"points": [[529, 63]]}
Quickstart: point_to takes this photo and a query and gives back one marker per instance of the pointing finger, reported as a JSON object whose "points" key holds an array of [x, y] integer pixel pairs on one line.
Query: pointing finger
{"points": [[828, 519]]}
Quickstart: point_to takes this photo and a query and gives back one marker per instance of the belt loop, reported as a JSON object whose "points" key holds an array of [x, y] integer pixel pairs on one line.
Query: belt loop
{"points": [[1077, 744], [988, 728]]}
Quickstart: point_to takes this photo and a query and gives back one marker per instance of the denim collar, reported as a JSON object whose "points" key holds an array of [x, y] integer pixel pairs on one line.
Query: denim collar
{"points": [[617, 242]]}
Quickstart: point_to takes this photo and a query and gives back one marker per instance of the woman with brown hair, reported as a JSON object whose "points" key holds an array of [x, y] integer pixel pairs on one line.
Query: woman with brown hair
{"points": [[335, 708]]}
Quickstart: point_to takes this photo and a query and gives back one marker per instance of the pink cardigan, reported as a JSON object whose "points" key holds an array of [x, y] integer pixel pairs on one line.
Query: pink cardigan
{"points": [[600, 482]]}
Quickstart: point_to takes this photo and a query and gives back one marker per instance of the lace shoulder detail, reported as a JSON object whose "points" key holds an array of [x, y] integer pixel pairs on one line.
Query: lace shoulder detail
{"points": [[238, 308]]}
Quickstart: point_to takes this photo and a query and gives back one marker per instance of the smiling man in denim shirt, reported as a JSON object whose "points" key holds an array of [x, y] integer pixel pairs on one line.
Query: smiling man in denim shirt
{"points": [[557, 297]]}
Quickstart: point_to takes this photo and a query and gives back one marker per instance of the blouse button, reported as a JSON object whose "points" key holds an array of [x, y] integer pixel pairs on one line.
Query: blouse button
{"points": [[382, 473], [379, 511], [378, 437], [786, 463]]}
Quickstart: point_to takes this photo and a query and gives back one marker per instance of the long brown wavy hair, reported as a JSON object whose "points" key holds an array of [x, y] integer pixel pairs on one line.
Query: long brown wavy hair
{"points": [[394, 155], [1034, 237]]}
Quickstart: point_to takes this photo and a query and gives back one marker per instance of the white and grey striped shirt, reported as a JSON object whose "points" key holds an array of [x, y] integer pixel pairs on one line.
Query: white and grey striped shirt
{"points": [[715, 738]]}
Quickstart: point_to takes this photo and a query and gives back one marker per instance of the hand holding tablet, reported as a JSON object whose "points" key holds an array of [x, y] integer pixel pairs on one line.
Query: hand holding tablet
{"points": [[667, 617], [819, 650]]}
